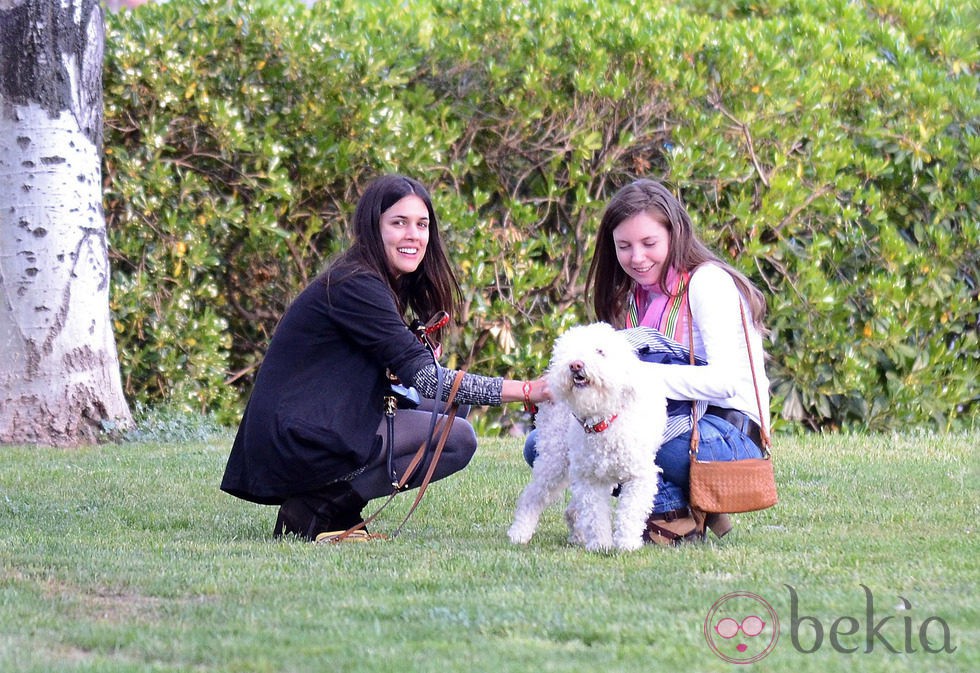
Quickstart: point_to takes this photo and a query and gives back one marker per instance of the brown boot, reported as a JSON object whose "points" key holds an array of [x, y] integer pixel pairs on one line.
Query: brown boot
{"points": [[720, 524], [673, 528]]}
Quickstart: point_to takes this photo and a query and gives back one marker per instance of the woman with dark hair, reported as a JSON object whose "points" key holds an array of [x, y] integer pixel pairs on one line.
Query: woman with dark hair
{"points": [[313, 438], [650, 270]]}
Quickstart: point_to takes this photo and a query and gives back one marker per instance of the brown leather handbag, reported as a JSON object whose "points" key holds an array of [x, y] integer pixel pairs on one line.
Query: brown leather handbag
{"points": [[729, 486]]}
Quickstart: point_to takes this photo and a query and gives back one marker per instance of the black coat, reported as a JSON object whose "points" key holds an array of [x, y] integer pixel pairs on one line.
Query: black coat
{"points": [[314, 412]]}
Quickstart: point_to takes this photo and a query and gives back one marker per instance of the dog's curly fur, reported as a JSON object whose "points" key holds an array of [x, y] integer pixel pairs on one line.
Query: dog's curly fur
{"points": [[593, 375]]}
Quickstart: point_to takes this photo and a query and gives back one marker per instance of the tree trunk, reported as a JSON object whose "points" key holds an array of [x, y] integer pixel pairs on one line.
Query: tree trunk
{"points": [[59, 372]]}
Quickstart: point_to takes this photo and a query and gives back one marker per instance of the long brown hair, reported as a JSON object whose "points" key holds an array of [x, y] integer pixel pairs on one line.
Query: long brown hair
{"points": [[609, 284], [432, 286]]}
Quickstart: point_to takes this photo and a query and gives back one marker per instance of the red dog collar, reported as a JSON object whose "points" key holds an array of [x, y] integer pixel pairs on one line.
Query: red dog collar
{"points": [[600, 426]]}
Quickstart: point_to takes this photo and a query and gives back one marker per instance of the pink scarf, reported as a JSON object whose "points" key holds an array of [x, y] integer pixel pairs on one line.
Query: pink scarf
{"points": [[665, 312]]}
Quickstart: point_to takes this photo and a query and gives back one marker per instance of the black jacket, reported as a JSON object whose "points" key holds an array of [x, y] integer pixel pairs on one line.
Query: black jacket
{"points": [[317, 403]]}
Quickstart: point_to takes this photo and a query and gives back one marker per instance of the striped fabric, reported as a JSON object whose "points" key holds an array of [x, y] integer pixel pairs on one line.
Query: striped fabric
{"points": [[632, 315], [646, 341], [673, 313]]}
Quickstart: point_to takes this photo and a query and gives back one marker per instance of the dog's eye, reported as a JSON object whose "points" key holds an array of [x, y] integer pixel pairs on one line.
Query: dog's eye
{"points": [[600, 352]]}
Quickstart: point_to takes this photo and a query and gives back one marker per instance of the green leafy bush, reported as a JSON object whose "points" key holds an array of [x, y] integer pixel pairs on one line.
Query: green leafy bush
{"points": [[828, 149]]}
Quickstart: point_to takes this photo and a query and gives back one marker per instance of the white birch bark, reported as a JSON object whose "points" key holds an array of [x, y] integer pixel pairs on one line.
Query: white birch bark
{"points": [[59, 371]]}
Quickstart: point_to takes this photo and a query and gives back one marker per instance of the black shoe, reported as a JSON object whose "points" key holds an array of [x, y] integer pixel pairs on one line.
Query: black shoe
{"points": [[337, 507]]}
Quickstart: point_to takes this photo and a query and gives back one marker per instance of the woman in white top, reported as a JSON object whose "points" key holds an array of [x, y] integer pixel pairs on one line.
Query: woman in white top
{"points": [[650, 272]]}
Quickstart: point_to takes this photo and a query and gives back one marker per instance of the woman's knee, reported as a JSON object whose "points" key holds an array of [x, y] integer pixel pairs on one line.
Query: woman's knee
{"points": [[674, 459], [461, 445], [531, 447]]}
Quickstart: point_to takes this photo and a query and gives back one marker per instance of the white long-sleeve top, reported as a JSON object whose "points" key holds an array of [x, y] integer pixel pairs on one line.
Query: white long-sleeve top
{"points": [[726, 381]]}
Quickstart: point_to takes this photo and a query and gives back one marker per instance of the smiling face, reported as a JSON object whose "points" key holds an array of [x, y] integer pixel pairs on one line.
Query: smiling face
{"points": [[642, 245], [405, 234]]}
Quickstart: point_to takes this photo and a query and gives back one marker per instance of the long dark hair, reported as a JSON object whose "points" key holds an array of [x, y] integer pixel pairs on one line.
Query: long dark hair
{"points": [[432, 286], [608, 282]]}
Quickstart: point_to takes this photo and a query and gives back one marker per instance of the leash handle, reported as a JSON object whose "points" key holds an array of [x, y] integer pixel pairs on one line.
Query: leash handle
{"points": [[423, 330]]}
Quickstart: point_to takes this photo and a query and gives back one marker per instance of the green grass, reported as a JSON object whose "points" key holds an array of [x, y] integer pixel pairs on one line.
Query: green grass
{"points": [[129, 558]]}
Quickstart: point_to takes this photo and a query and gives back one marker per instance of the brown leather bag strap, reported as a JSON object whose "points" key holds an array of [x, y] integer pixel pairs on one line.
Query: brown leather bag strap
{"points": [[700, 518], [763, 430], [695, 436], [442, 430], [447, 424]]}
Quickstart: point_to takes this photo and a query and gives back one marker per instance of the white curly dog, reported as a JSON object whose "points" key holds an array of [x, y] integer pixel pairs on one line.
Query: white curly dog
{"points": [[602, 430]]}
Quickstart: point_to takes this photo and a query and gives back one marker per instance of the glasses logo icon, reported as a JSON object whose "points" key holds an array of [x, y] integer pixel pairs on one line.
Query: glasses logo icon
{"points": [[751, 626], [736, 632]]}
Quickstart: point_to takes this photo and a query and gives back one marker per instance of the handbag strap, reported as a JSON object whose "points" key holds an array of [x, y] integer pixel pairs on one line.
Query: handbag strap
{"points": [[421, 330], [695, 436], [449, 416], [763, 430], [442, 429]]}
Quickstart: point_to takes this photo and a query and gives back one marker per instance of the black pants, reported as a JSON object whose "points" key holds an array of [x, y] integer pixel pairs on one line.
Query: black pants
{"points": [[411, 429]]}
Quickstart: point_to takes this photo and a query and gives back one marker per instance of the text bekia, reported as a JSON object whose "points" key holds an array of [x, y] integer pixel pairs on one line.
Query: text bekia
{"points": [[846, 634]]}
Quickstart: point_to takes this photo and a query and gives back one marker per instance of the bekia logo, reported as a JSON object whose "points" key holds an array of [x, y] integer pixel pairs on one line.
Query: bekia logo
{"points": [[743, 628]]}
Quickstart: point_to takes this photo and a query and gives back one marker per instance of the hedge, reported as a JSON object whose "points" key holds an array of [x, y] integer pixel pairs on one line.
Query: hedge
{"points": [[828, 149]]}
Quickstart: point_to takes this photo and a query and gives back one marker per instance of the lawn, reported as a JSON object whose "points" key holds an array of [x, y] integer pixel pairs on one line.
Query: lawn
{"points": [[128, 558]]}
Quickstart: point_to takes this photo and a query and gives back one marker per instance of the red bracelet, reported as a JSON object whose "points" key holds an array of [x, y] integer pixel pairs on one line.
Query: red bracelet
{"points": [[529, 406]]}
